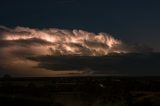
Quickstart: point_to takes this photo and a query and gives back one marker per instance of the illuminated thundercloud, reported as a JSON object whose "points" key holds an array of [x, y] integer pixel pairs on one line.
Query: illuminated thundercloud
{"points": [[21, 50], [66, 42]]}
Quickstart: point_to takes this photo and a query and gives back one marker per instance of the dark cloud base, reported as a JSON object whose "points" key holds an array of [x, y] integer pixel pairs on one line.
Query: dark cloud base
{"points": [[124, 64]]}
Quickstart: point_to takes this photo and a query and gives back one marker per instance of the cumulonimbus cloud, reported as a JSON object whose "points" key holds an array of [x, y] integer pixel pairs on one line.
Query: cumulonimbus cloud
{"points": [[19, 43]]}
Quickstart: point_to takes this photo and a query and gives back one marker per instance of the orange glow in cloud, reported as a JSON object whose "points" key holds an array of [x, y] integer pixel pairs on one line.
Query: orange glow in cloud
{"points": [[19, 43], [67, 42]]}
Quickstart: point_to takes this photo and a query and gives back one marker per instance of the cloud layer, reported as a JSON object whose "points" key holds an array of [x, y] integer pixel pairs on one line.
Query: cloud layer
{"points": [[19, 47]]}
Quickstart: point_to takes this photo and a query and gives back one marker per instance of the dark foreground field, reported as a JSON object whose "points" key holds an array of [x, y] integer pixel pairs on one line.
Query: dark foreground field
{"points": [[80, 91]]}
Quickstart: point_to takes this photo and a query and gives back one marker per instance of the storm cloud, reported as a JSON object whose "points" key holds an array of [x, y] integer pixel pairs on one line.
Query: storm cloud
{"points": [[50, 52]]}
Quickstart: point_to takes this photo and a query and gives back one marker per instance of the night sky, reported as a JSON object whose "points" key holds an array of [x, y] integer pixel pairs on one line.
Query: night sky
{"points": [[79, 37], [135, 21]]}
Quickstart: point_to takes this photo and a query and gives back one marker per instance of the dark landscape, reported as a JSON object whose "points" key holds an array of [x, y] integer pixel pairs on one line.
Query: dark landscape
{"points": [[80, 91]]}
